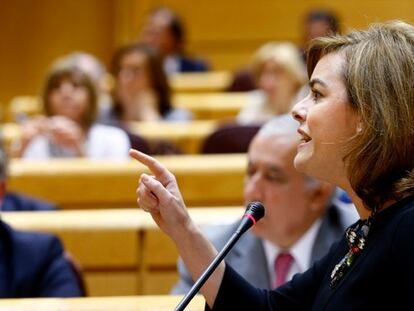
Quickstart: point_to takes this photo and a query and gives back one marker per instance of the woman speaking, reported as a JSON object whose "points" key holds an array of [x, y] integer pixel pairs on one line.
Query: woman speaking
{"points": [[357, 128]]}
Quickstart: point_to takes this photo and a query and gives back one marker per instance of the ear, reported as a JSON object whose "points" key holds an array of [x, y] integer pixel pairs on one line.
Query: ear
{"points": [[319, 196], [359, 126]]}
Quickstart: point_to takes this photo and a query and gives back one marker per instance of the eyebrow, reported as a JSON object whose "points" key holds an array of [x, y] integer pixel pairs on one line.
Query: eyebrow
{"points": [[277, 170], [317, 81], [270, 167]]}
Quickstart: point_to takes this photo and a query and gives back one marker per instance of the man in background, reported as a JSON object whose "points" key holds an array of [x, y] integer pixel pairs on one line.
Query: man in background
{"points": [[301, 220], [32, 264], [318, 23], [164, 29]]}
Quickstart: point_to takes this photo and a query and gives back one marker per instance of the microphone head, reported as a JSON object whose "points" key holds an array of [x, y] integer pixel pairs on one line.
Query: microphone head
{"points": [[256, 210]]}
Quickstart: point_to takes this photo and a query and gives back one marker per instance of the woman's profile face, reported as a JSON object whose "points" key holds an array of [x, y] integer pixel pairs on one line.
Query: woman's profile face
{"points": [[69, 98], [327, 122]]}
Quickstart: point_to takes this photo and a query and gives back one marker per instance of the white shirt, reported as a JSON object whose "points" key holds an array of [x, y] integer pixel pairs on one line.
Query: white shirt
{"points": [[171, 64], [301, 252], [102, 143]]}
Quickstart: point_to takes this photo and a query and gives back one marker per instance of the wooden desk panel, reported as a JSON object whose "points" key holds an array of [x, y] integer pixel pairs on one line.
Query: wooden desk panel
{"points": [[121, 251], [159, 282], [212, 81], [137, 303], [208, 180], [101, 249], [111, 220], [211, 106], [105, 243], [93, 236], [114, 283], [187, 136]]}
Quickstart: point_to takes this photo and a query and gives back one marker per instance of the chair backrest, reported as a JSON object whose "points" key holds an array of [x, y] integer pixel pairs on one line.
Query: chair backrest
{"points": [[230, 138], [138, 142], [153, 147]]}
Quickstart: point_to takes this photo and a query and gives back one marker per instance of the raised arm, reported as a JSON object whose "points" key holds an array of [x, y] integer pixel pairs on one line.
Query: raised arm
{"points": [[159, 195]]}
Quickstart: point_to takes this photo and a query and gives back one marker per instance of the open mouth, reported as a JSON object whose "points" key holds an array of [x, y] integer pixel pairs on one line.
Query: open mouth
{"points": [[305, 137]]}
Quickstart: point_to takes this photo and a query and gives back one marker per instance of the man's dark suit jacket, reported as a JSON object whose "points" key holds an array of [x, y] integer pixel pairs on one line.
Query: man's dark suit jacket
{"points": [[13, 202], [33, 265], [188, 64]]}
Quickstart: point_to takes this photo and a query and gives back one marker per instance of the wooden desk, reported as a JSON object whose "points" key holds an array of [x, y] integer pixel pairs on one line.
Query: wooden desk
{"points": [[188, 136], [131, 303], [211, 106], [10, 131], [212, 81], [21, 107], [205, 180], [121, 251]]}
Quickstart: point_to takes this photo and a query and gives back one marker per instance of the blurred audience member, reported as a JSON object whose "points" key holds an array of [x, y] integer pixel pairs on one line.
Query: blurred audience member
{"points": [[32, 264], [141, 91], [164, 30], [280, 74], [318, 23], [301, 222], [92, 66], [69, 128]]}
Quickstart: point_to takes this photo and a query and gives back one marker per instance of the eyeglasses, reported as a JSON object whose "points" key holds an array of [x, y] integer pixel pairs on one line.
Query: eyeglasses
{"points": [[131, 71]]}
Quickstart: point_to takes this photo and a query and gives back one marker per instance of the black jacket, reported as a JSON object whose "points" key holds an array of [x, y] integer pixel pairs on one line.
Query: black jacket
{"points": [[33, 265], [381, 278]]}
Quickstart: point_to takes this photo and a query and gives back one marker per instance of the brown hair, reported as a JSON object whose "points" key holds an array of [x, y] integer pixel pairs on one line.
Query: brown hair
{"points": [[78, 77], [154, 69], [379, 77], [175, 25]]}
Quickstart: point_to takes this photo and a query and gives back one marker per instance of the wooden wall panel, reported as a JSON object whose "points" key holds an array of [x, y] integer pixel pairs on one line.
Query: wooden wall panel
{"points": [[228, 32], [34, 32]]}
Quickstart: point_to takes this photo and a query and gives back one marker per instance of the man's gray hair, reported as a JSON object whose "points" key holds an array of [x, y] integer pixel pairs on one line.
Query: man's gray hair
{"points": [[280, 126], [285, 125]]}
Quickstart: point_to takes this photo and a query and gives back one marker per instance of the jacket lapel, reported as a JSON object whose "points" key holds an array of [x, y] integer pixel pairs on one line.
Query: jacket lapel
{"points": [[249, 260]]}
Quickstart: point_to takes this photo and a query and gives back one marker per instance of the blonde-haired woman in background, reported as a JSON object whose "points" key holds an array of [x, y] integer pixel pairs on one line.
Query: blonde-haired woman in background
{"points": [[280, 75]]}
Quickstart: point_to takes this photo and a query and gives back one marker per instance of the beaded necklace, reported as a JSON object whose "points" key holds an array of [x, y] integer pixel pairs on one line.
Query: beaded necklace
{"points": [[356, 238]]}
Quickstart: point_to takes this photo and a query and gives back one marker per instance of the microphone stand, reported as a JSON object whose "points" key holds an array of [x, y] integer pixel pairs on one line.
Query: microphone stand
{"points": [[206, 274], [254, 212]]}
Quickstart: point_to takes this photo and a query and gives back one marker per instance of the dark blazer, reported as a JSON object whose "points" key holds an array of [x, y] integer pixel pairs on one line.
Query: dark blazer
{"points": [[17, 202], [33, 265], [381, 278], [248, 256], [188, 64]]}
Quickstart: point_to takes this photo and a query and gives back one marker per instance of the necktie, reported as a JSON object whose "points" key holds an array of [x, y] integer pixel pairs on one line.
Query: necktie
{"points": [[283, 263]]}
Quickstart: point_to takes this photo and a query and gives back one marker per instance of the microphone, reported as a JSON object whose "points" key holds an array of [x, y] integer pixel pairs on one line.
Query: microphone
{"points": [[254, 212]]}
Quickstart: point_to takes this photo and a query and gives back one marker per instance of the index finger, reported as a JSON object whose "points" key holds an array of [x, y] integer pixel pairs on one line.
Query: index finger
{"points": [[155, 167]]}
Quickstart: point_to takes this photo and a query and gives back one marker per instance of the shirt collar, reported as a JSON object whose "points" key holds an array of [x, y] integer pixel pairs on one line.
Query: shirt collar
{"points": [[301, 251]]}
